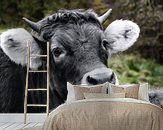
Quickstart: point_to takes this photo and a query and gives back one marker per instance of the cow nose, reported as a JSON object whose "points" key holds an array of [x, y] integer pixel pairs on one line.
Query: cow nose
{"points": [[101, 78]]}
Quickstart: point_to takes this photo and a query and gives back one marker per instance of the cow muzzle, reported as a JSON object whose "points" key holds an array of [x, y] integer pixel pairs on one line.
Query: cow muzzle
{"points": [[99, 76]]}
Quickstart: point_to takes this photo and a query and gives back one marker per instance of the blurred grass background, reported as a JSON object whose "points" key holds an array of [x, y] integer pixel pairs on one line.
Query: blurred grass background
{"points": [[142, 63], [132, 68]]}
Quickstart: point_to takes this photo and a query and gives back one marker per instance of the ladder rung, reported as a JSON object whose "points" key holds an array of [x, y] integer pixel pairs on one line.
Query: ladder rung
{"points": [[36, 105], [38, 89], [43, 71], [38, 56]]}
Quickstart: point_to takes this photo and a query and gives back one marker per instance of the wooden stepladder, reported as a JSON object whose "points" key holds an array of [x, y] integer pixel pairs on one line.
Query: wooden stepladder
{"points": [[30, 56]]}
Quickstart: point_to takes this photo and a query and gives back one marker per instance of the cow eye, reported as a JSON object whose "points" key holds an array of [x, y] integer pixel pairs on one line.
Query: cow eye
{"points": [[57, 52]]}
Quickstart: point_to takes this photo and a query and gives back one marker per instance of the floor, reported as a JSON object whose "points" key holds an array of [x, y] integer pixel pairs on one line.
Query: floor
{"points": [[15, 121], [17, 126]]}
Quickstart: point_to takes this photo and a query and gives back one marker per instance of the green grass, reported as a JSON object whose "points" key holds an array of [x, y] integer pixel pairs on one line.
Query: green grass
{"points": [[2, 29], [133, 69]]}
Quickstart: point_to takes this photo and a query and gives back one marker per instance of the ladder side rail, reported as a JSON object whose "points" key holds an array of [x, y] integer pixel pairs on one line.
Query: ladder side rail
{"points": [[47, 109], [27, 78]]}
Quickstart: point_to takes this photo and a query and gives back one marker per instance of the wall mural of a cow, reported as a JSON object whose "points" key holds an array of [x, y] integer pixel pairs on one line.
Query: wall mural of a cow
{"points": [[79, 45]]}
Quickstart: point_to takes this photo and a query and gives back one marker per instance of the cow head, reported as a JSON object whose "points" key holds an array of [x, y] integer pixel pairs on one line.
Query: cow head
{"points": [[79, 45]]}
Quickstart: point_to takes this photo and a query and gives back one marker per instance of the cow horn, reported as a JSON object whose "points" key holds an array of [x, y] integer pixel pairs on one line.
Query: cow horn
{"points": [[104, 17], [33, 25]]}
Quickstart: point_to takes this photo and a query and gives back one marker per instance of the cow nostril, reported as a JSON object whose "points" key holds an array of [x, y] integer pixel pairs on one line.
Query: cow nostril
{"points": [[92, 80], [152, 95]]}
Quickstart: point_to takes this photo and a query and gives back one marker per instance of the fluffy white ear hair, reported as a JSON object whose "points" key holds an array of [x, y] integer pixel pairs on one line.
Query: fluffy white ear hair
{"points": [[121, 34], [14, 44]]}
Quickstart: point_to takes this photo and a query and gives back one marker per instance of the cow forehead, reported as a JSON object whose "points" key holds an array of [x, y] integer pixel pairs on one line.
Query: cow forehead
{"points": [[74, 35], [64, 19]]}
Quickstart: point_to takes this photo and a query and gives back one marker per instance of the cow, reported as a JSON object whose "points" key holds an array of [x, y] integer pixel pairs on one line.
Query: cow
{"points": [[79, 50], [156, 97]]}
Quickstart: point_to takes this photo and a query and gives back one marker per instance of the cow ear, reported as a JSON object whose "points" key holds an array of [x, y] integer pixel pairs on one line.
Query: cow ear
{"points": [[14, 45], [121, 34]]}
